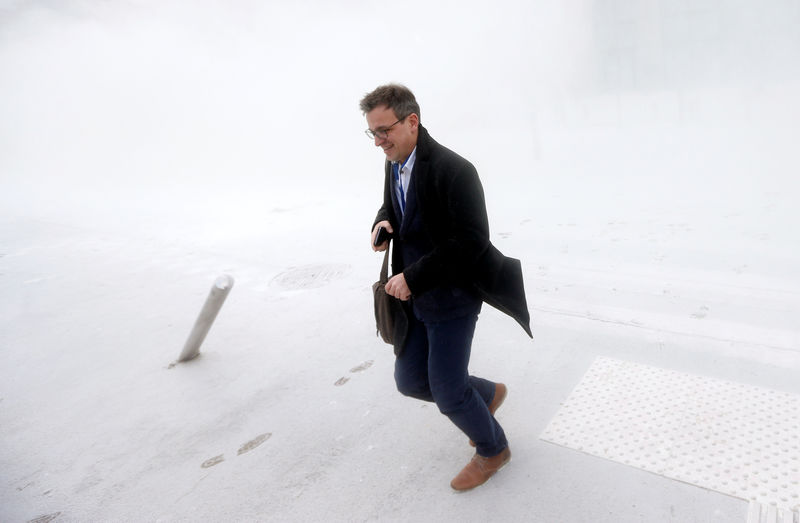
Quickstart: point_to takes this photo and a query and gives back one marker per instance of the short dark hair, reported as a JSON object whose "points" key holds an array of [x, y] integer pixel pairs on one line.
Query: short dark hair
{"points": [[397, 97]]}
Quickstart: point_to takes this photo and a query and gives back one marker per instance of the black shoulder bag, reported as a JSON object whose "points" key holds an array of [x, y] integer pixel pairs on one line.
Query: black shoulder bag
{"points": [[384, 304]]}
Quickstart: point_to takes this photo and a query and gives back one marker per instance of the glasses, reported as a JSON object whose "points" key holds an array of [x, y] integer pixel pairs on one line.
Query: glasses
{"points": [[382, 133]]}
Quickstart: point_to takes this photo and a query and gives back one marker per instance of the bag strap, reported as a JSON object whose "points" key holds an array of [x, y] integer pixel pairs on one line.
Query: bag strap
{"points": [[385, 268]]}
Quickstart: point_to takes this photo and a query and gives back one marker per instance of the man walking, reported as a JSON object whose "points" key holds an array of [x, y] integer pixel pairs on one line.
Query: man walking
{"points": [[443, 268]]}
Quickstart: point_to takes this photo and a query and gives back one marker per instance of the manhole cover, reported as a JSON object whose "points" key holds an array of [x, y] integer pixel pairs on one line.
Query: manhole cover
{"points": [[309, 276]]}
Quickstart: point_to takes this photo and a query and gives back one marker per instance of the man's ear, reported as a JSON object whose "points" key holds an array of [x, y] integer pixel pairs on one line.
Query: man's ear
{"points": [[414, 119]]}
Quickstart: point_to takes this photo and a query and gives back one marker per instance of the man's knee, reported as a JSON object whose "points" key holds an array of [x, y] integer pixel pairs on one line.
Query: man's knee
{"points": [[451, 399], [413, 386]]}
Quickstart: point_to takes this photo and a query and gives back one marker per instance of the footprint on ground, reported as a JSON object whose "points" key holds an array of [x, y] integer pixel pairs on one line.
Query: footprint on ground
{"points": [[253, 443], [216, 460], [702, 313], [358, 368], [45, 519], [364, 366]]}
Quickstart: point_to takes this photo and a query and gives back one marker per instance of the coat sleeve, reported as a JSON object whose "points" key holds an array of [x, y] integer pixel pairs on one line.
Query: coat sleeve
{"points": [[457, 222], [385, 212]]}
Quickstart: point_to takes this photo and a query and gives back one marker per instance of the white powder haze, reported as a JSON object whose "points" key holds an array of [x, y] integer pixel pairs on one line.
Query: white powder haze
{"points": [[641, 160]]}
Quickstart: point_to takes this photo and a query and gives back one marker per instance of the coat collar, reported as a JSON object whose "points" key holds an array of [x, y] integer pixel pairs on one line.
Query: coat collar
{"points": [[422, 162], [424, 143]]}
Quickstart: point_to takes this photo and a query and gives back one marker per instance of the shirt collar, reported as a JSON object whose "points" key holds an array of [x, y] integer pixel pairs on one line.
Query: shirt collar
{"points": [[408, 165]]}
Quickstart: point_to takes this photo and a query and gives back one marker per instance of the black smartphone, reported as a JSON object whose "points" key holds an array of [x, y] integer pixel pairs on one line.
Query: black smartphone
{"points": [[381, 236]]}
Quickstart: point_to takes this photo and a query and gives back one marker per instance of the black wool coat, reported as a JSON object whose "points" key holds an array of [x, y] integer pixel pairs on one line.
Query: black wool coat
{"points": [[450, 198]]}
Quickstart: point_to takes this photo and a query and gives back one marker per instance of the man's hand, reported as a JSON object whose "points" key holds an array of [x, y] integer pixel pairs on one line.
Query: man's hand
{"points": [[397, 287], [386, 225]]}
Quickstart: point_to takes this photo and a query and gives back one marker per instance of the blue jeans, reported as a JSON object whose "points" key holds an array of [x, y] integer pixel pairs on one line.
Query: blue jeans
{"points": [[433, 367]]}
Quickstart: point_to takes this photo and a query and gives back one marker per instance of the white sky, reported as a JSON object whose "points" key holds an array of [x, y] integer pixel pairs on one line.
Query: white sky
{"points": [[124, 106]]}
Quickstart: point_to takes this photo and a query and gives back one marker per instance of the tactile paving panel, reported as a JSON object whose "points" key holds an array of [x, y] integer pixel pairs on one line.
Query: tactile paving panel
{"points": [[732, 438], [758, 513]]}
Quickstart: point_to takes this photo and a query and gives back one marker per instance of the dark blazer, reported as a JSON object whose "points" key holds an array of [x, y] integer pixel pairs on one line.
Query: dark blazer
{"points": [[449, 197]]}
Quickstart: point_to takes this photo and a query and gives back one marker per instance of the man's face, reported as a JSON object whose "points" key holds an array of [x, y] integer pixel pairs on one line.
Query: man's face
{"points": [[401, 138]]}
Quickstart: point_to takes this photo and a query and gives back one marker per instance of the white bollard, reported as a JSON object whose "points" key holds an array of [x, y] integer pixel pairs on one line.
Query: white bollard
{"points": [[222, 286]]}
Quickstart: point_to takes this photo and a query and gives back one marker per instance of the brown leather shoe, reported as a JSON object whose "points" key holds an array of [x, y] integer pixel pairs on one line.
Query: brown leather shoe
{"points": [[500, 393], [479, 470]]}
